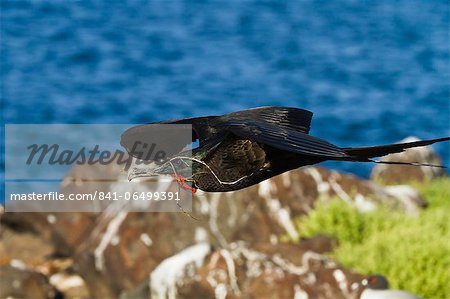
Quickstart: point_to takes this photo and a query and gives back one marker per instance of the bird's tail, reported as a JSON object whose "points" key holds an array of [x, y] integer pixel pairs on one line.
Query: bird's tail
{"points": [[367, 153]]}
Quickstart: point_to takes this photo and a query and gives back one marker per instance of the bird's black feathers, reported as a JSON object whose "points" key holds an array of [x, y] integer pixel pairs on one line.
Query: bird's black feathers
{"points": [[201, 126], [243, 148], [365, 153], [148, 134], [285, 138], [210, 129], [282, 117]]}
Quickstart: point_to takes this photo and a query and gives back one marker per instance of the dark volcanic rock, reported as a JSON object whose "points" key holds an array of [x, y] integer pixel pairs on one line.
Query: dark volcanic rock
{"points": [[403, 174], [17, 281], [238, 271], [33, 264]]}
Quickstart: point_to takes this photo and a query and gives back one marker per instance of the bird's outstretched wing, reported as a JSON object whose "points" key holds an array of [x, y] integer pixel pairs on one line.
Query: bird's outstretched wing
{"points": [[286, 117], [209, 130], [157, 133]]}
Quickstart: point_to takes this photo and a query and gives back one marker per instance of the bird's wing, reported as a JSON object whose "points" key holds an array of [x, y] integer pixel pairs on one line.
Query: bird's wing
{"points": [[165, 136], [200, 126], [283, 137], [291, 118], [209, 132]]}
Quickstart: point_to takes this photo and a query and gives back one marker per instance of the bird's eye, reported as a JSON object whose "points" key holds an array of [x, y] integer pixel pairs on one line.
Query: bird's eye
{"points": [[373, 280]]}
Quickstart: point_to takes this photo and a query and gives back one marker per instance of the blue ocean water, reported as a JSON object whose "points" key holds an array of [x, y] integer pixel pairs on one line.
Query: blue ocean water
{"points": [[373, 72]]}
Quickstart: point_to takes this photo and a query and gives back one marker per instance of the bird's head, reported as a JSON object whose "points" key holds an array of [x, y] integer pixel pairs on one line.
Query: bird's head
{"points": [[174, 166], [142, 171], [375, 282]]}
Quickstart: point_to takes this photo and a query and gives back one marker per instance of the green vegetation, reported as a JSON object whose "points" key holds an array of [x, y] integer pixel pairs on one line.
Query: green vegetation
{"points": [[413, 252]]}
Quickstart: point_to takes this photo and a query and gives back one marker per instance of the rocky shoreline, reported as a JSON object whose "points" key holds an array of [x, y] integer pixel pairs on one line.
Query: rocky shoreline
{"points": [[233, 249]]}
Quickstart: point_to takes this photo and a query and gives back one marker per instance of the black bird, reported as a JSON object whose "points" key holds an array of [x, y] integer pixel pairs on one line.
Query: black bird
{"points": [[243, 148]]}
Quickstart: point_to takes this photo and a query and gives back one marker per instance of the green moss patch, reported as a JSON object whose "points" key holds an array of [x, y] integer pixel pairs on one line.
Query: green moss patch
{"points": [[412, 251]]}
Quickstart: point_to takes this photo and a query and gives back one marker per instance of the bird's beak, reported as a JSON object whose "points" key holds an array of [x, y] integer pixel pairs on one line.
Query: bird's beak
{"points": [[141, 172]]}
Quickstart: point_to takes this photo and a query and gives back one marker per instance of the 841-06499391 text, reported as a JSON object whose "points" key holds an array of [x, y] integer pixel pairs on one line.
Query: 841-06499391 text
{"points": [[139, 195]]}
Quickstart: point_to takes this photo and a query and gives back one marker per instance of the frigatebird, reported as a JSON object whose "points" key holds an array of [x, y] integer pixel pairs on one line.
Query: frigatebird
{"points": [[243, 148]]}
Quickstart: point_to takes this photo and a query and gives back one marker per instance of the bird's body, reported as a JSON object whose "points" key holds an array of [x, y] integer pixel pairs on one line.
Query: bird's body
{"points": [[377, 287], [243, 148], [238, 163], [387, 294]]}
